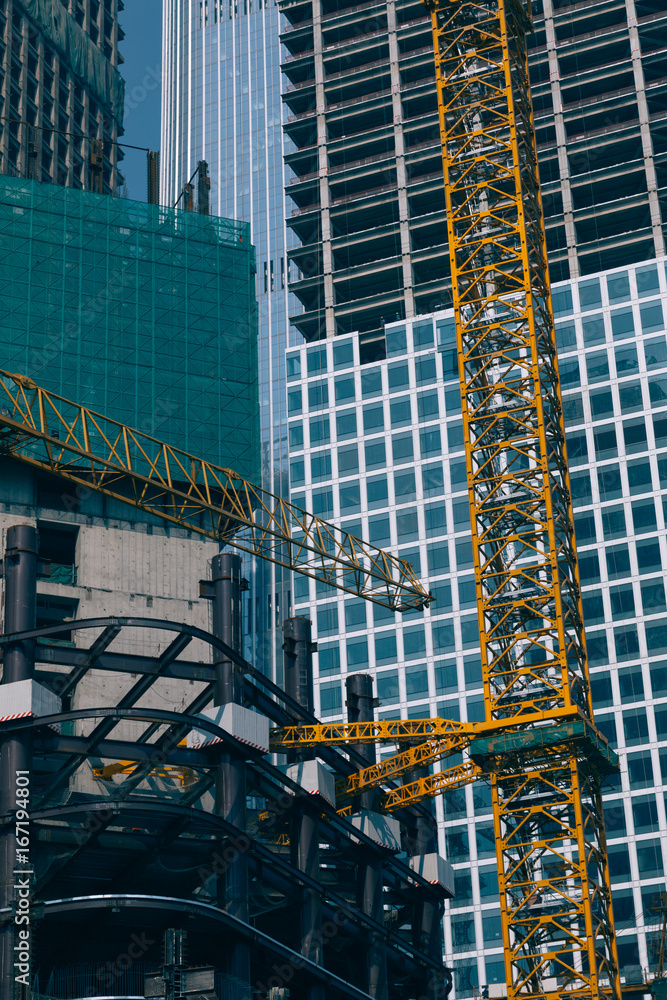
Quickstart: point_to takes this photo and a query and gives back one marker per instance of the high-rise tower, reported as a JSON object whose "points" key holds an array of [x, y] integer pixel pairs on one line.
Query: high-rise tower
{"points": [[221, 103], [62, 95], [365, 161]]}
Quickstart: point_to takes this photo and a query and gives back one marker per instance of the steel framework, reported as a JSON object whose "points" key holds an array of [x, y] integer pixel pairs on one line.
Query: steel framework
{"points": [[558, 928], [71, 441]]}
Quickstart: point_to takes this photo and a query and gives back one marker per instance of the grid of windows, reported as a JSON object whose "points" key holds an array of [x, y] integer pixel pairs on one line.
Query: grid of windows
{"points": [[392, 470]]}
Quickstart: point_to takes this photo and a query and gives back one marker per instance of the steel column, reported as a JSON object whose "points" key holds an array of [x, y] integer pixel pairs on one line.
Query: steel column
{"points": [[230, 788], [298, 666], [20, 576], [360, 704]]}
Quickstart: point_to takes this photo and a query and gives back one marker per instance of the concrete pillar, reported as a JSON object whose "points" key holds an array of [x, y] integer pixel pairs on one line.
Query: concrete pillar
{"points": [[360, 704], [230, 789], [20, 576]]}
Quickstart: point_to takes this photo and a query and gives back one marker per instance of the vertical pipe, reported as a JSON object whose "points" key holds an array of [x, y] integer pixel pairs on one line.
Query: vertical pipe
{"points": [[426, 911], [230, 789], [153, 171], [360, 704], [20, 576], [298, 666], [227, 587]]}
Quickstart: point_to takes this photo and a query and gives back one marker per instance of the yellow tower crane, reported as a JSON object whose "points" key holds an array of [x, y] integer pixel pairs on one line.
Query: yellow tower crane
{"points": [[558, 927], [538, 743]]}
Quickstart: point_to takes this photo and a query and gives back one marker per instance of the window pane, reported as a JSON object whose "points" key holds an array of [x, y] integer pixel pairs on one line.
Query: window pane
{"points": [[566, 336], [602, 403], [609, 483], [385, 649], [373, 418], [346, 424], [377, 491], [627, 362], [355, 614], [653, 596], [613, 523], [320, 465], [402, 448], [396, 341], [618, 561], [593, 330], [348, 460], [398, 376], [639, 477], [295, 436], [622, 323], [605, 442], [648, 282], [422, 335], [651, 317], [343, 355], [618, 287], [597, 366], [584, 525], [400, 412], [375, 454], [630, 396], [404, 487], [655, 352], [429, 442], [622, 601], [371, 383]]}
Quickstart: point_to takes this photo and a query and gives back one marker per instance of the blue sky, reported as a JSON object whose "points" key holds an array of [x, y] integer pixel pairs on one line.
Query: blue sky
{"points": [[142, 48]]}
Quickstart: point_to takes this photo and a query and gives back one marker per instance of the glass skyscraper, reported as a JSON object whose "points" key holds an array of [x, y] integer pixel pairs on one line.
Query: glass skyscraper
{"points": [[378, 448], [221, 103]]}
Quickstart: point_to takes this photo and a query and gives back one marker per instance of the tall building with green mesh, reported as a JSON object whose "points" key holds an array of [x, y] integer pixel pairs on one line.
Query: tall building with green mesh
{"points": [[143, 313]]}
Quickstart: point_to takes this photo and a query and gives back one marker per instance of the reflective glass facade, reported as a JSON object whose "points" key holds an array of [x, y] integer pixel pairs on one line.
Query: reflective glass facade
{"points": [[142, 313], [221, 103], [378, 448]]}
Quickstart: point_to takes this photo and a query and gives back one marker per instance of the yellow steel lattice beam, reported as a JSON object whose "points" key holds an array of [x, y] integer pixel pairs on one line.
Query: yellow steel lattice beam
{"points": [[86, 448], [553, 875], [400, 764], [430, 786], [380, 731]]}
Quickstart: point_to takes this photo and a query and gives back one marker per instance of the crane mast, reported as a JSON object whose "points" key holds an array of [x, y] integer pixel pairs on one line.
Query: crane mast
{"points": [[558, 929]]}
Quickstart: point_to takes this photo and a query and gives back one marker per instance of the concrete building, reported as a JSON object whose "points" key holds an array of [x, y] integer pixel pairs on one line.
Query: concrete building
{"points": [[61, 93], [221, 103], [378, 448], [365, 170]]}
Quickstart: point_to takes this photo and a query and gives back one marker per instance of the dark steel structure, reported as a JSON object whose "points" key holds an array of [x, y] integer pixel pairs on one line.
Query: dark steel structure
{"points": [[213, 838]]}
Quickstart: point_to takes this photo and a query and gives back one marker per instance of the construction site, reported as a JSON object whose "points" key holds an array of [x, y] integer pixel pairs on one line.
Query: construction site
{"points": [[179, 820]]}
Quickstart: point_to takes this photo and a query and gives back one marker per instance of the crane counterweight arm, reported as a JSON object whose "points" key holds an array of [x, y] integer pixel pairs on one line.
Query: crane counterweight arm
{"points": [[64, 438]]}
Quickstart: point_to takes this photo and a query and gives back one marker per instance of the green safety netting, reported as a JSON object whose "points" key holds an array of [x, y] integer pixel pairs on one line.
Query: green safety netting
{"points": [[143, 313]]}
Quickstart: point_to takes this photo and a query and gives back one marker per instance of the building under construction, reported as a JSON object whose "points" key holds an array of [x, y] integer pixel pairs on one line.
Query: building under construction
{"points": [[157, 814]]}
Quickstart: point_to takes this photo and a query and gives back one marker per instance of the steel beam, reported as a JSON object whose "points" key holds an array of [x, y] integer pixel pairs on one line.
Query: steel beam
{"points": [[230, 788], [20, 576], [360, 704]]}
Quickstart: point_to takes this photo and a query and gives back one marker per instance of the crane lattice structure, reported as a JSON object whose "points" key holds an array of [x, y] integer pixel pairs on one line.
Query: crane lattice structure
{"points": [[558, 927], [69, 440]]}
